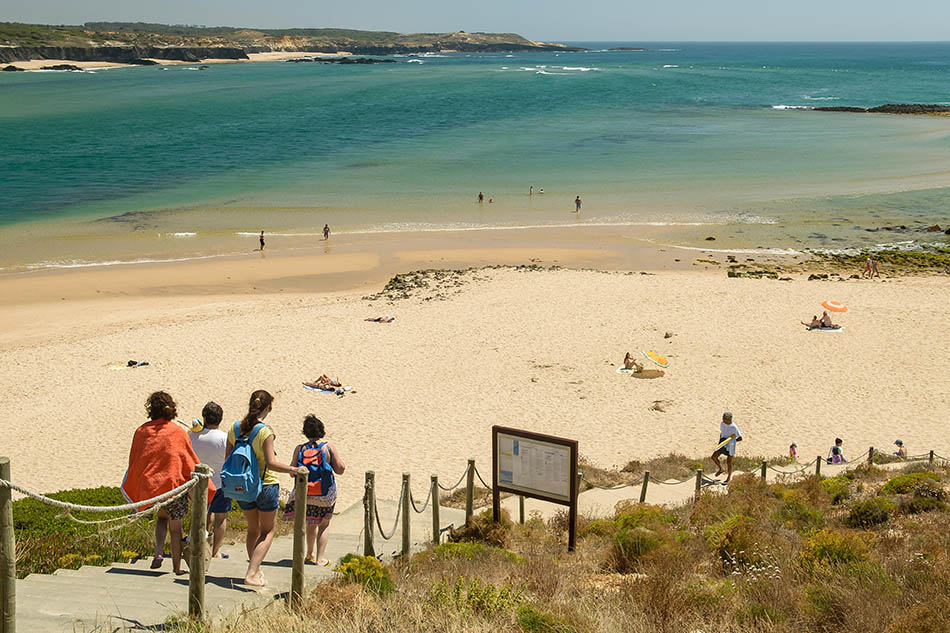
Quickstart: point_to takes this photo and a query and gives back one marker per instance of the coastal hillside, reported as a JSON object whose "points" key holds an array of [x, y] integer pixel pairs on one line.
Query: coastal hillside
{"points": [[123, 41]]}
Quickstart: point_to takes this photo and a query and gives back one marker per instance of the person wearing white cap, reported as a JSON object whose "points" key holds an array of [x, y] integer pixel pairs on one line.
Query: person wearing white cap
{"points": [[793, 451], [727, 431], [901, 451]]}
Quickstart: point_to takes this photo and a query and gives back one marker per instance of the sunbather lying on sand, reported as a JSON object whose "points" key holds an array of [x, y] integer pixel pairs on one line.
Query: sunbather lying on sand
{"points": [[324, 383], [383, 319]]}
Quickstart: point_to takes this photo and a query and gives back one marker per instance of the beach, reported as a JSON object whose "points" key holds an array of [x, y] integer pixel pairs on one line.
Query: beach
{"points": [[530, 347]]}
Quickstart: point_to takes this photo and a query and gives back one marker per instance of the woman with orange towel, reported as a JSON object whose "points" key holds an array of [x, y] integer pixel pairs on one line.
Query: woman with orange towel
{"points": [[160, 460]]}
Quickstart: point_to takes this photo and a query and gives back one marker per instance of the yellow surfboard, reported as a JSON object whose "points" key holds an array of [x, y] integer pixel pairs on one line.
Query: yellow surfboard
{"points": [[724, 442]]}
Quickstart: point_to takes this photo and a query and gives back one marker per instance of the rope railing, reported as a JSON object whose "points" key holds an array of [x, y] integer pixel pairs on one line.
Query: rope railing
{"points": [[75, 507], [795, 471], [425, 504], [457, 483], [617, 487], [479, 475], [379, 525]]}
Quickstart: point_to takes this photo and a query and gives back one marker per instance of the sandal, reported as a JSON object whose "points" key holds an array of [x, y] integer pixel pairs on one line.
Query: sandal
{"points": [[156, 562]]}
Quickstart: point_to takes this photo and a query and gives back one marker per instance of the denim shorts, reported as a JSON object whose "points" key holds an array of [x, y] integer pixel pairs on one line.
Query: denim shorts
{"points": [[267, 501], [219, 503]]}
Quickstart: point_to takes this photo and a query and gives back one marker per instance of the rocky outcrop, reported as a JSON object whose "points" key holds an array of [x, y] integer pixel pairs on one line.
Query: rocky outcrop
{"points": [[626, 48], [119, 54], [891, 108], [12, 69]]}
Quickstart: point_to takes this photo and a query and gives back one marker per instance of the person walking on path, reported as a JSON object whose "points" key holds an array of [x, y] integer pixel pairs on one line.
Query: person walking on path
{"points": [[577, 204], [261, 513], [323, 461], [727, 430], [326, 231], [161, 459], [262, 241], [211, 445]]}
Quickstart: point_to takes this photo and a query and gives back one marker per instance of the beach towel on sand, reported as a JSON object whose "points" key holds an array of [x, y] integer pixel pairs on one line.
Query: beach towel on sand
{"points": [[824, 329], [646, 373], [161, 459]]}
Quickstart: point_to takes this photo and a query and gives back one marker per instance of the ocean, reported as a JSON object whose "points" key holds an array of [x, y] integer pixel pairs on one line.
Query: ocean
{"points": [[126, 164]]}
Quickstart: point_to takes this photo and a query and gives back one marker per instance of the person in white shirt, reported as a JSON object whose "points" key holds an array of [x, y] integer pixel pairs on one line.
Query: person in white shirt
{"points": [[210, 445], [727, 429]]}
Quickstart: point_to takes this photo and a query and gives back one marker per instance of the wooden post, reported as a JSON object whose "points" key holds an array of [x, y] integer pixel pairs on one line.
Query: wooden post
{"points": [[643, 488], [871, 455], [436, 525], [699, 483], [818, 466], [469, 492], [7, 553], [521, 510], [405, 514], [931, 458], [369, 508], [295, 597], [765, 466], [198, 539]]}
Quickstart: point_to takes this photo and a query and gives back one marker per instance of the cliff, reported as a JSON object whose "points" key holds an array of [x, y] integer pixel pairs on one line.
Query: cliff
{"points": [[127, 42]]}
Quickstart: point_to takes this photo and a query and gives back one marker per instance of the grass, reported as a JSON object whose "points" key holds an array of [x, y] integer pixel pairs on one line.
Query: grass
{"points": [[46, 540], [778, 557]]}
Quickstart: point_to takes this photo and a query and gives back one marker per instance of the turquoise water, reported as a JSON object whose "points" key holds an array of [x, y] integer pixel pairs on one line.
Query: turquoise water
{"points": [[682, 134]]}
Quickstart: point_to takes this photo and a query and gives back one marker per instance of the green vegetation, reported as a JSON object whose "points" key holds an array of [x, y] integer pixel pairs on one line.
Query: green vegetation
{"points": [[47, 540], [776, 557], [874, 511], [366, 571], [148, 34], [902, 484]]}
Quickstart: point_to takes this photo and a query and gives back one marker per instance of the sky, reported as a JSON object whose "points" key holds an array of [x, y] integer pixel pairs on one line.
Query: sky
{"points": [[551, 20]]}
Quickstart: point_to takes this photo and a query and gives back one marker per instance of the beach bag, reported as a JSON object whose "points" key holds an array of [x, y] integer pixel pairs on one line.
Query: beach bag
{"points": [[240, 475], [320, 477]]}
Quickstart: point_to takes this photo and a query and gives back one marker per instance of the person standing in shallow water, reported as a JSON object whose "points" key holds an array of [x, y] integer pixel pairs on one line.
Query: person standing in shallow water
{"points": [[326, 231], [577, 203], [481, 197], [262, 240]]}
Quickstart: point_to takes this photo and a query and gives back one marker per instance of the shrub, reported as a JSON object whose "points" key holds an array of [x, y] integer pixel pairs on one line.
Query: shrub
{"points": [[632, 543], [483, 529], [759, 614], [873, 511], [836, 488], [797, 512], [734, 540], [366, 571], [832, 548], [597, 528], [473, 597], [533, 621], [916, 505], [929, 488], [471, 550], [643, 514], [903, 484]]}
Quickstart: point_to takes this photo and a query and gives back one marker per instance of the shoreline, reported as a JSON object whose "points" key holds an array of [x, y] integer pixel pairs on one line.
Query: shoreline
{"points": [[273, 56]]}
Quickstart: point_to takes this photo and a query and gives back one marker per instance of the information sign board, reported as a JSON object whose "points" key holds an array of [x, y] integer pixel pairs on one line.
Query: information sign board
{"points": [[535, 465]]}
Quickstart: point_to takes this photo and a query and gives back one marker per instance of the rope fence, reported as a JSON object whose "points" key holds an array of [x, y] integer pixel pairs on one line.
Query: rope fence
{"points": [[75, 507]]}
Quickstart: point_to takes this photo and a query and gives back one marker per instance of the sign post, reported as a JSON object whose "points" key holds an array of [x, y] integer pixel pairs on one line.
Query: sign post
{"points": [[535, 465]]}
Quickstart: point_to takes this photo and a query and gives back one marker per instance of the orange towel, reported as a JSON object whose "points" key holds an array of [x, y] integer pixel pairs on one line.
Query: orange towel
{"points": [[161, 459]]}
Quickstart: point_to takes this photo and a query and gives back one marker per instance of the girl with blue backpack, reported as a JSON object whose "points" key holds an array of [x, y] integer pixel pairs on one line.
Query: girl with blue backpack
{"points": [[322, 461], [249, 476]]}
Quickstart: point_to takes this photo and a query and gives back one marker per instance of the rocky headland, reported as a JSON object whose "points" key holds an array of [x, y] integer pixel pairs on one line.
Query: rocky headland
{"points": [[131, 43], [892, 108]]}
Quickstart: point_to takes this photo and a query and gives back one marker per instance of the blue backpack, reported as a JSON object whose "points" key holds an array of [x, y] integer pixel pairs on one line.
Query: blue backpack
{"points": [[320, 477], [240, 475]]}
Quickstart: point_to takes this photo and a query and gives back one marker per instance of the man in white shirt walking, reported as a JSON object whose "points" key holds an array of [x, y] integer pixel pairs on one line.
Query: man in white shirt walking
{"points": [[210, 445], [727, 430]]}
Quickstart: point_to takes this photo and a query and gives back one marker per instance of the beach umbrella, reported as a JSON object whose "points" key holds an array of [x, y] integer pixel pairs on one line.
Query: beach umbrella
{"points": [[656, 358], [834, 306]]}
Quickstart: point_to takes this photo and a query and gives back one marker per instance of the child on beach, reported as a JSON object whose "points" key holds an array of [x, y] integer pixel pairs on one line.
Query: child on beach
{"points": [[727, 429], [322, 460], [836, 454], [211, 444], [261, 513], [901, 451], [793, 451], [160, 460]]}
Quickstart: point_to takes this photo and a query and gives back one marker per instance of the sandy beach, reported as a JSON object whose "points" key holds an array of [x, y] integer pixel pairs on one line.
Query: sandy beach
{"points": [[528, 348], [274, 56]]}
